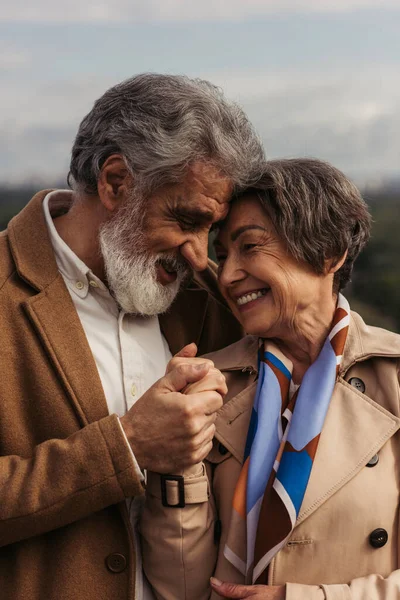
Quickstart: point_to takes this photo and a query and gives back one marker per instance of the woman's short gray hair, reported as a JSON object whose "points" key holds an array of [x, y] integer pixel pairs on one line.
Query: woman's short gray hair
{"points": [[161, 124], [317, 211]]}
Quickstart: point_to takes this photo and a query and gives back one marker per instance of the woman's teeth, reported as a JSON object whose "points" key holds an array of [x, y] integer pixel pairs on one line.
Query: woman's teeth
{"points": [[249, 297]]}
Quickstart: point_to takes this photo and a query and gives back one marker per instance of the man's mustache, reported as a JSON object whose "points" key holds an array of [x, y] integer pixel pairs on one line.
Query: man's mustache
{"points": [[175, 264]]}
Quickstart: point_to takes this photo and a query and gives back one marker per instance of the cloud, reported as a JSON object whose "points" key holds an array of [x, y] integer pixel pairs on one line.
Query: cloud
{"points": [[136, 11], [12, 57], [349, 118]]}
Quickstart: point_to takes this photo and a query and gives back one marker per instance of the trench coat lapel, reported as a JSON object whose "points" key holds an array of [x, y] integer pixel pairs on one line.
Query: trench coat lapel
{"points": [[355, 429], [52, 312]]}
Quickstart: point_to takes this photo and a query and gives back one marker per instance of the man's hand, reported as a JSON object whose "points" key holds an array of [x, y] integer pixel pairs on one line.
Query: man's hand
{"points": [[255, 592], [169, 430]]}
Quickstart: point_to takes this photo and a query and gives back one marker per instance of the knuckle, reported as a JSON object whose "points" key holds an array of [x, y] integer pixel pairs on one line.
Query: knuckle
{"points": [[181, 368]]}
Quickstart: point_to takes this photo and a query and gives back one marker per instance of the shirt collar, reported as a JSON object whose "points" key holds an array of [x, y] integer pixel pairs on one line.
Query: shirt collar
{"points": [[77, 275]]}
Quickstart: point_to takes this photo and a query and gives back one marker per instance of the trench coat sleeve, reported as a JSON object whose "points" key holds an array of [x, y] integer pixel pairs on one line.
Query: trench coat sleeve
{"points": [[65, 480], [373, 587], [178, 549]]}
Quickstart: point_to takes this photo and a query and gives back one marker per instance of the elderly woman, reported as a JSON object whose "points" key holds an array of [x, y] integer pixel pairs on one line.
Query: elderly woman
{"points": [[299, 498]]}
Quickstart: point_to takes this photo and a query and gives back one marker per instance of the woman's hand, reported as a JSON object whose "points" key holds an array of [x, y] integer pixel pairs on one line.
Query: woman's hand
{"points": [[213, 381], [255, 592]]}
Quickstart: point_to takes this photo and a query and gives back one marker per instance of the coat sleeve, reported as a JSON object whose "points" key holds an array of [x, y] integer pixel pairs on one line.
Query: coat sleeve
{"points": [[178, 549], [65, 480], [373, 587]]}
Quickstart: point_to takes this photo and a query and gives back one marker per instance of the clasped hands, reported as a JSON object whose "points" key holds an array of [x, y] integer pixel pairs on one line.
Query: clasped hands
{"points": [[171, 427]]}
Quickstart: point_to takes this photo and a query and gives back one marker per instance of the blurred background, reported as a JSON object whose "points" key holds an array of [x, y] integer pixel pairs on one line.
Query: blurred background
{"points": [[317, 77]]}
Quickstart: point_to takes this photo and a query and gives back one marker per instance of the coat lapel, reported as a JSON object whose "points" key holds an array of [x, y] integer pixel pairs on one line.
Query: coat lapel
{"points": [[57, 324], [355, 429], [52, 312]]}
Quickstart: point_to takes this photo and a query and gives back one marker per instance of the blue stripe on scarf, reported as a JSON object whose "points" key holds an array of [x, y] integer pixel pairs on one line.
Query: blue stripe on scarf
{"points": [[251, 433], [294, 473], [278, 364]]}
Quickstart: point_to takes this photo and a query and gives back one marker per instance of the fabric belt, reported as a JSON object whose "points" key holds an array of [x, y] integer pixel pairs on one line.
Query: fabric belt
{"points": [[196, 488]]}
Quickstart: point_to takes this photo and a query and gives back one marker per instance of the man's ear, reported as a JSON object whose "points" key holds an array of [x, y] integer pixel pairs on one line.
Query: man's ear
{"points": [[332, 266], [113, 183]]}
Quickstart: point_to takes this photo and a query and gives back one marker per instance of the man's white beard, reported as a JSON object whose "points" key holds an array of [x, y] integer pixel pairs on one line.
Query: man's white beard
{"points": [[131, 270]]}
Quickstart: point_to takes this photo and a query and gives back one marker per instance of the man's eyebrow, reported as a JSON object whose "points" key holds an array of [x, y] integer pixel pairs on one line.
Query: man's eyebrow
{"points": [[235, 234], [197, 214]]}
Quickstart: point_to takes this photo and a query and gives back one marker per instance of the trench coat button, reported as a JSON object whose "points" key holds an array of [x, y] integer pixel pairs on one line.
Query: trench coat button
{"points": [[378, 538], [222, 450], [358, 384], [116, 562], [373, 461]]}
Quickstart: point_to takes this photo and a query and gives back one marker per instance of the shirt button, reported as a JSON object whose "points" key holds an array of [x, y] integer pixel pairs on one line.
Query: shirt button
{"points": [[358, 384], [133, 390], [79, 285], [93, 284], [378, 538], [116, 563]]}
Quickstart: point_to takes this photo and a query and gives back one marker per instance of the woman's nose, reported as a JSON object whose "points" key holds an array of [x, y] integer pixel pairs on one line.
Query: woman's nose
{"points": [[229, 273]]}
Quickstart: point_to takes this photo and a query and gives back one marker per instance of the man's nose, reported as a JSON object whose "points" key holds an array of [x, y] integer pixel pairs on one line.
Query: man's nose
{"points": [[195, 252]]}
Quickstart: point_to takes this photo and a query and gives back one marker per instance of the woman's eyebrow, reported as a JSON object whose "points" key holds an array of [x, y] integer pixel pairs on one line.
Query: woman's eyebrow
{"points": [[235, 234]]}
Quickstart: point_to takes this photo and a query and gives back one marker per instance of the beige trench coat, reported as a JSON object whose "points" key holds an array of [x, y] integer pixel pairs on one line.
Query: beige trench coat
{"points": [[329, 554]]}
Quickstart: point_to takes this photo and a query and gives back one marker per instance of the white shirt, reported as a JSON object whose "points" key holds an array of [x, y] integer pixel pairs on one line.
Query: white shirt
{"points": [[130, 351]]}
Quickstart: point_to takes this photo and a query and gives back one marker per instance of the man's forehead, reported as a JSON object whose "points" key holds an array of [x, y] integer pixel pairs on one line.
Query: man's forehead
{"points": [[210, 181]]}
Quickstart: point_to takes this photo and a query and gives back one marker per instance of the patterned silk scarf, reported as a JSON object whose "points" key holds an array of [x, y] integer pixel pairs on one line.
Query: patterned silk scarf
{"points": [[281, 445]]}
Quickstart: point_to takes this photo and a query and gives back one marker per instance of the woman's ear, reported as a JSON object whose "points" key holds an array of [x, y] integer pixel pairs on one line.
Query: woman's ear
{"points": [[114, 182], [332, 266]]}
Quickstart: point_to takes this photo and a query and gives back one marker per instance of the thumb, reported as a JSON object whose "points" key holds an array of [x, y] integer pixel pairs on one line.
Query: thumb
{"points": [[188, 351], [177, 379], [230, 590]]}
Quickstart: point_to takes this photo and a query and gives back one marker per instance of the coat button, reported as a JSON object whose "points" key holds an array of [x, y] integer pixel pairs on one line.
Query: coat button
{"points": [[358, 384], [116, 563], [373, 461], [378, 538], [222, 450]]}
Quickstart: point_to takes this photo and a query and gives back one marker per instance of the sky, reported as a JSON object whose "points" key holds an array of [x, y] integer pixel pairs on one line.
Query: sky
{"points": [[316, 77]]}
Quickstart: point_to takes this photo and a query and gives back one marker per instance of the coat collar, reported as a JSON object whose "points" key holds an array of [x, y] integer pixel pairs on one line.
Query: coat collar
{"points": [[362, 343], [30, 245]]}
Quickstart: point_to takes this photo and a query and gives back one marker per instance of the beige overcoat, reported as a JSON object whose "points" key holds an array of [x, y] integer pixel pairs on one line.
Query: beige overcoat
{"points": [[65, 469], [337, 550]]}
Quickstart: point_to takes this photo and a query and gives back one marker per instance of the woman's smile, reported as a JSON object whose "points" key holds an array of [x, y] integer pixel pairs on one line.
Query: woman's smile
{"points": [[250, 299]]}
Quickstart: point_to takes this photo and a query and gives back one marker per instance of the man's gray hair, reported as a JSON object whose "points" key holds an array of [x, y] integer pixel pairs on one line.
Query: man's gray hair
{"points": [[161, 124], [318, 213]]}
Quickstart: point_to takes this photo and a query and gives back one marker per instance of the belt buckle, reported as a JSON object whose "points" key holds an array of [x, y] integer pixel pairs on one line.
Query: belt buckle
{"points": [[181, 490]]}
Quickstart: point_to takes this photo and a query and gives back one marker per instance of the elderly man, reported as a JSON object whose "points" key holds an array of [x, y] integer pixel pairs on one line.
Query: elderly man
{"points": [[96, 295]]}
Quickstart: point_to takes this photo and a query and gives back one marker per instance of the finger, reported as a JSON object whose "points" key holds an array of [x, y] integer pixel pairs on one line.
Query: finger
{"points": [[205, 403], [177, 379], [232, 590], [190, 360], [205, 436], [214, 380], [187, 351]]}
